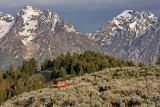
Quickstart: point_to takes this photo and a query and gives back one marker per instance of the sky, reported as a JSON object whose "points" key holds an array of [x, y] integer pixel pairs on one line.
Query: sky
{"points": [[85, 15]]}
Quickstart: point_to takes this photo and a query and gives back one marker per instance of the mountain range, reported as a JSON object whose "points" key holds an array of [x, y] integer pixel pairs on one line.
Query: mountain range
{"points": [[38, 34], [43, 34], [131, 35]]}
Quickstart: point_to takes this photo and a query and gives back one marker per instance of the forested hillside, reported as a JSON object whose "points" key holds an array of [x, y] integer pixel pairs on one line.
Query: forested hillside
{"points": [[26, 78], [111, 87], [23, 79], [79, 64]]}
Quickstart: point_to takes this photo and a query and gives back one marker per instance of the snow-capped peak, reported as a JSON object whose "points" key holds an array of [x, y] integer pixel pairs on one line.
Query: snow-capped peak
{"points": [[32, 17], [129, 22], [7, 17], [30, 22], [126, 14], [31, 10]]}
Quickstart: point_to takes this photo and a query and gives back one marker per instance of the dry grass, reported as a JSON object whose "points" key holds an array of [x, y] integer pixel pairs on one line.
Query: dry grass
{"points": [[108, 88]]}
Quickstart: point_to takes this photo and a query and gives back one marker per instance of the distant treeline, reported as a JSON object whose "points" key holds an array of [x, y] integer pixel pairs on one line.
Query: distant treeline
{"points": [[14, 82], [66, 66]]}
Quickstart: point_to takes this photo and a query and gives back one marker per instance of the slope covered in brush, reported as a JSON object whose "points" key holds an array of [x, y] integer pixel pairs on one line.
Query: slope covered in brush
{"points": [[132, 86]]}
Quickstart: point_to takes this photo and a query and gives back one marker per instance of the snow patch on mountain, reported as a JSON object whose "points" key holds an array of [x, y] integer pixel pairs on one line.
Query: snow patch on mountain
{"points": [[126, 14], [69, 29], [28, 21], [133, 25], [90, 34], [116, 22], [49, 49], [5, 27], [31, 25], [6, 23], [55, 20]]}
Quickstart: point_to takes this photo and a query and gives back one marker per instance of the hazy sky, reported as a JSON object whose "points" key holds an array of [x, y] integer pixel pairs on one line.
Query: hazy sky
{"points": [[85, 15]]}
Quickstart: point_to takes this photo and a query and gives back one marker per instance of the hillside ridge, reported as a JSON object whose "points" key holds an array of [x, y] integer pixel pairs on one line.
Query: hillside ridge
{"points": [[103, 88]]}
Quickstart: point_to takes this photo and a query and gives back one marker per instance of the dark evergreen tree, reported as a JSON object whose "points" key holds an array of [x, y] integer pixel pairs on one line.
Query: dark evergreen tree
{"points": [[140, 64], [11, 68], [62, 73], [158, 61], [46, 64], [80, 70], [92, 68], [87, 56], [32, 66], [54, 74], [73, 73], [19, 87], [25, 67]]}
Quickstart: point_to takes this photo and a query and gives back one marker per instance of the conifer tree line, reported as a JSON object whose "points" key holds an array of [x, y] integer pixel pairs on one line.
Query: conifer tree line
{"points": [[16, 81], [66, 66]]}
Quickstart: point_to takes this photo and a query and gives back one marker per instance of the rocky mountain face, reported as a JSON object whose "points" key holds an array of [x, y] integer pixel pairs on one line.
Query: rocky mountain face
{"points": [[130, 35], [38, 34]]}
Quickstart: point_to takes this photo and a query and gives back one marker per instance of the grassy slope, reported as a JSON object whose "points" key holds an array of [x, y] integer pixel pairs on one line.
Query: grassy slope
{"points": [[110, 87]]}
